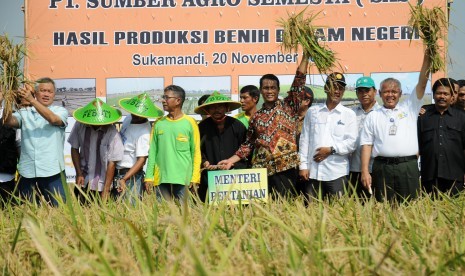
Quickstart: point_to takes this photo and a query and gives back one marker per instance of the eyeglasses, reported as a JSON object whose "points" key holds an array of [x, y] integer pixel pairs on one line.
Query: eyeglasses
{"points": [[164, 97]]}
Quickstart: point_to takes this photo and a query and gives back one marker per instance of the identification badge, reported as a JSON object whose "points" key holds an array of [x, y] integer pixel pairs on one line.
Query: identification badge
{"points": [[393, 130]]}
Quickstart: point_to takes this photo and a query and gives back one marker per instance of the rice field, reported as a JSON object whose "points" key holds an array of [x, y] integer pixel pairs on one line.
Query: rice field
{"points": [[282, 237]]}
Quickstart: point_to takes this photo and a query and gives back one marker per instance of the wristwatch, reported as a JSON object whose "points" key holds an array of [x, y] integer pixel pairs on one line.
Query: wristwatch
{"points": [[333, 151]]}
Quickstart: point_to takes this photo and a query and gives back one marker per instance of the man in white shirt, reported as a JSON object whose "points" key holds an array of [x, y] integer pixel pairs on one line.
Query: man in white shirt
{"points": [[328, 137], [366, 94], [390, 136]]}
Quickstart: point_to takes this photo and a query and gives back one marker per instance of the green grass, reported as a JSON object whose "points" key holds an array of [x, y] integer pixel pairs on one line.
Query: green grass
{"points": [[282, 237]]}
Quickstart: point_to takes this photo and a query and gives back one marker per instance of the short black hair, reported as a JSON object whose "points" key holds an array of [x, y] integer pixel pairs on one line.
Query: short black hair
{"points": [[269, 77], [252, 90], [178, 91], [461, 83], [203, 99], [446, 82]]}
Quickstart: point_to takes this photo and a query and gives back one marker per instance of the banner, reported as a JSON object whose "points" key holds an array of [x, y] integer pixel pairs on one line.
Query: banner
{"points": [[237, 186], [122, 47]]}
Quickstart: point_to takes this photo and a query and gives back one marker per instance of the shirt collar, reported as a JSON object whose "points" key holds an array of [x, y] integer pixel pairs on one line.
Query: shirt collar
{"points": [[374, 107]]}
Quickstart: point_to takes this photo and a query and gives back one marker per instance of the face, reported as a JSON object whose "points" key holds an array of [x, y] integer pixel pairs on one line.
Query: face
{"points": [[335, 92], [366, 96], [170, 101], [248, 102], [442, 97], [390, 94], [269, 90], [217, 111], [461, 97], [45, 93], [455, 93]]}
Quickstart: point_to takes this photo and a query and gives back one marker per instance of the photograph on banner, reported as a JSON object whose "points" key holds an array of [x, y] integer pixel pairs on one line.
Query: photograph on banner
{"points": [[120, 88], [196, 87], [408, 81], [74, 93], [237, 186], [315, 82]]}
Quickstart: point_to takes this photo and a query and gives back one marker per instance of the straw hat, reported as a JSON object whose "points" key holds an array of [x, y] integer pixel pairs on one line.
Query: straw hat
{"points": [[97, 113], [217, 98], [142, 106]]}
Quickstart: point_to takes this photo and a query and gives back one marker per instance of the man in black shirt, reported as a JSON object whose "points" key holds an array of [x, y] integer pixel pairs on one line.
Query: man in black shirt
{"points": [[220, 136], [441, 139]]}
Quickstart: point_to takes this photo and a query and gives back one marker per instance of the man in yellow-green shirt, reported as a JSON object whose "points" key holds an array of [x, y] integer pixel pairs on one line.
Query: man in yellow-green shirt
{"points": [[250, 95], [174, 156]]}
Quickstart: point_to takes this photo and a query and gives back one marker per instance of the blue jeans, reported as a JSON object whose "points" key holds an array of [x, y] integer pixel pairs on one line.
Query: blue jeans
{"points": [[50, 187], [168, 191], [134, 186]]}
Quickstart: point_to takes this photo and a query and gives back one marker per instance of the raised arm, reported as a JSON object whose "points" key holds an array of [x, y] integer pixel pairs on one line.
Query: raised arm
{"points": [[44, 111], [424, 74]]}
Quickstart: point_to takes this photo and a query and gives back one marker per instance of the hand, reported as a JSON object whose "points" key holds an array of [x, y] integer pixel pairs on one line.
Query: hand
{"points": [[80, 180], [226, 164], [366, 181], [193, 187], [148, 187], [321, 154], [304, 174], [122, 185], [422, 111], [26, 93]]}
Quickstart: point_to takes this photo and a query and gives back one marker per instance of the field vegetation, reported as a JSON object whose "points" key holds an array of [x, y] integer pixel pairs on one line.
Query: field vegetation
{"points": [[282, 237]]}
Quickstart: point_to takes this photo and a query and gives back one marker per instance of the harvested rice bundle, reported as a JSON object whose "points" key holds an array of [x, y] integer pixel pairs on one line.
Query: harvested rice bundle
{"points": [[11, 72], [299, 30], [431, 25]]}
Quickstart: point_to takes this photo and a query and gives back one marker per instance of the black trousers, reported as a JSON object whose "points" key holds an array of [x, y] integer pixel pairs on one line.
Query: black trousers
{"points": [[327, 189], [282, 184], [395, 181], [6, 193], [451, 187]]}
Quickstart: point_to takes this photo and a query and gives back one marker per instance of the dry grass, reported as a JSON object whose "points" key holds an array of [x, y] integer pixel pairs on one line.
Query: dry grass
{"points": [[431, 25], [342, 237], [299, 30], [11, 73]]}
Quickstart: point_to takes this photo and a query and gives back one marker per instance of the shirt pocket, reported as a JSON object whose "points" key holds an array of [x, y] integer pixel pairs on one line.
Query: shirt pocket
{"points": [[427, 134], [339, 130], [182, 143], [454, 133]]}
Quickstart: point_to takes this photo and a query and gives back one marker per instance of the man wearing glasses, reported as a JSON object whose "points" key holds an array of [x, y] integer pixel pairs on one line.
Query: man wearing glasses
{"points": [[390, 136], [174, 156]]}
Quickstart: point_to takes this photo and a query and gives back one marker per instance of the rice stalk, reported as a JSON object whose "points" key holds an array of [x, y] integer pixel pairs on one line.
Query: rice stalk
{"points": [[430, 25], [299, 30]]}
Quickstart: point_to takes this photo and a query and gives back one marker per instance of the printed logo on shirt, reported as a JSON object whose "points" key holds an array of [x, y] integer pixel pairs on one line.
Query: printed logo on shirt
{"points": [[182, 138], [160, 132], [402, 115], [340, 123]]}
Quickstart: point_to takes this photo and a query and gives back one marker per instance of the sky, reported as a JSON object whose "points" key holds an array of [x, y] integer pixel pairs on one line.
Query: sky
{"points": [[12, 22]]}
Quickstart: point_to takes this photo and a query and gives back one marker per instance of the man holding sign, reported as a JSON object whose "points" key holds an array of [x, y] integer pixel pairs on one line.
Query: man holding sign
{"points": [[220, 135]]}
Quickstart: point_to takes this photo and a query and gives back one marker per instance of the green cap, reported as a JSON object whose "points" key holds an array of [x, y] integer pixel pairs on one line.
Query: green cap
{"points": [[366, 82], [142, 106], [217, 98], [97, 113]]}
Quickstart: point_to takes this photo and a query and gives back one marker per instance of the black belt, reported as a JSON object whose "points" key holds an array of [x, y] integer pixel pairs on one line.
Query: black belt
{"points": [[395, 160], [121, 171]]}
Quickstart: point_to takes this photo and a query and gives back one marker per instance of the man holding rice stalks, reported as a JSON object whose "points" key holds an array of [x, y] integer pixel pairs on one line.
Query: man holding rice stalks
{"points": [[10, 144], [390, 136], [41, 165], [271, 135], [328, 137]]}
